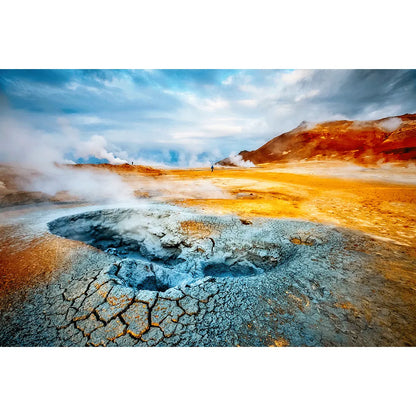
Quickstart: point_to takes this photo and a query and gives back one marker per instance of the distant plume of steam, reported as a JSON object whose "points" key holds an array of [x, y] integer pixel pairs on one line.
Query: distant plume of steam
{"points": [[96, 147], [306, 125], [237, 160], [390, 124]]}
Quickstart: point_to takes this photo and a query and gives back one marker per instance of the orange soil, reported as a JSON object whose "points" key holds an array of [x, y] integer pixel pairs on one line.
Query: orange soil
{"points": [[385, 210], [25, 264], [121, 169], [196, 229]]}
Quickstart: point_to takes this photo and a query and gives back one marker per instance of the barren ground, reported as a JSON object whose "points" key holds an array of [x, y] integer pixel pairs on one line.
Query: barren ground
{"points": [[376, 205]]}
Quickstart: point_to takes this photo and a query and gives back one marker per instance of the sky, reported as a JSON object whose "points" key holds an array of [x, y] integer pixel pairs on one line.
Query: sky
{"points": [[180, 117]]}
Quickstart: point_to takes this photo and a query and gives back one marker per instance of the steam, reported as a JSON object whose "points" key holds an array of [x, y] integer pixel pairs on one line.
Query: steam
{"points": [[85, 184], [45, 154], [97, 147], [237, 160], [307, 125], [43, 167], [390, 124]]}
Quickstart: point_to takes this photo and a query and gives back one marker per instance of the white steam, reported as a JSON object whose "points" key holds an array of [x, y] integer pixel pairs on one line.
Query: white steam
{"points": [[96, 147], [44, 153], [237, 160], [85, 184], [390, 124], [44, 156]]}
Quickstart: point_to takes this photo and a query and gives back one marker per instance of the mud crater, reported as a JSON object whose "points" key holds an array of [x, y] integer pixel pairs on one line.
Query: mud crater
{"points": [[155, 253]]}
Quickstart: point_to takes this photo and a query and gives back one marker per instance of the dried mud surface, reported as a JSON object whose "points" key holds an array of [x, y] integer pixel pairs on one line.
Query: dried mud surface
{"points": [[222, 282], [279, 258]]}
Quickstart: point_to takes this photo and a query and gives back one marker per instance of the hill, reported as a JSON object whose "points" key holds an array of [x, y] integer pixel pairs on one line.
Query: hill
{"points": [[385, 140]]}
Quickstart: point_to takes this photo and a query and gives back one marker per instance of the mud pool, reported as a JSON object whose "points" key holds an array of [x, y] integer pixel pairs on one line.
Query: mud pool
{"points": [[160, 275]]}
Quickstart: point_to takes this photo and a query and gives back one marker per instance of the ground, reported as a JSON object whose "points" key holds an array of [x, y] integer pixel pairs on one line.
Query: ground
{"points": [[269, 256]]}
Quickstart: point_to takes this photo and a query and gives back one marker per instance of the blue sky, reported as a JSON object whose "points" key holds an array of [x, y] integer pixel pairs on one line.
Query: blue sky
{"points": [[182, 117]]}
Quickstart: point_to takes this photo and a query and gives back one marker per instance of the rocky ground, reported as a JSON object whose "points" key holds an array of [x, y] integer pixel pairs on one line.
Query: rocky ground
{"points": [[159, 275]]}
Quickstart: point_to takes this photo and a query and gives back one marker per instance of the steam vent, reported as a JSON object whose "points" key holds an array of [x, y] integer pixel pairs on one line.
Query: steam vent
{"points": [[169, 277]]}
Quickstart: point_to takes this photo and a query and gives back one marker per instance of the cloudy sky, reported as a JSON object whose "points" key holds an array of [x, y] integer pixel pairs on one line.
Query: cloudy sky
{"points": [[181, 117]]}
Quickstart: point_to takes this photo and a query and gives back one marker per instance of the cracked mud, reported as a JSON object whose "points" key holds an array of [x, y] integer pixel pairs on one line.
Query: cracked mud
{"points": [[164, 277]]}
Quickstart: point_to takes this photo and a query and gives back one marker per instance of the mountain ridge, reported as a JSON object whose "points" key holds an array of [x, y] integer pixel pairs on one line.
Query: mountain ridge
{"points": [[387, 139]]}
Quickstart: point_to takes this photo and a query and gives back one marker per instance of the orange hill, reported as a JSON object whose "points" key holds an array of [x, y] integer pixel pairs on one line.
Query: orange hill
{"points": [[388, 140], [121, 169]]}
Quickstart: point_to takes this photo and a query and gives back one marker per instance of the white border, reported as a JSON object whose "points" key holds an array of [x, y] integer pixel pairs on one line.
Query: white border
{"points": [[215, 34]]}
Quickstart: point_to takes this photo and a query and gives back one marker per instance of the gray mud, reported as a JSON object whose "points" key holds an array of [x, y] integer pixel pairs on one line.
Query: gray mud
{"points": [[149, 282]]}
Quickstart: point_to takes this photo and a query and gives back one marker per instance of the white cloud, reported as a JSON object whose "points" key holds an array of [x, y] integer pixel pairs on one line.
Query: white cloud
{"points": [[229, 80], [295, 76], [306, 95], [238, 111], [248, 103]]}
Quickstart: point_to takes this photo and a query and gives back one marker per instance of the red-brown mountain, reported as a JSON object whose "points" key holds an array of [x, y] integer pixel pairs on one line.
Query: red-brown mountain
{"points": [[388, 139]]}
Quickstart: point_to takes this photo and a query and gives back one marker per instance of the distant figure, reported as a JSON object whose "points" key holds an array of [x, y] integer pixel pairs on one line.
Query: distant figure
{"points": [[132, 163], [212, 168]]}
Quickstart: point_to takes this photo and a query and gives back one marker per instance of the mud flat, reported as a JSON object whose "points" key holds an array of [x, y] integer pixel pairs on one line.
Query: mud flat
{"points": [[161, 275], [304, 255]]}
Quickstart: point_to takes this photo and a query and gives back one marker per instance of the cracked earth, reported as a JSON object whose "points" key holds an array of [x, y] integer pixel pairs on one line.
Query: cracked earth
{"points": [[163, 276]]}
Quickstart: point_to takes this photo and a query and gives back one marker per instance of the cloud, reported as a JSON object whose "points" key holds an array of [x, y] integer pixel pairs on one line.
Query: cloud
{"points": [[148, 114], [309, 94], [295, 76]]}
